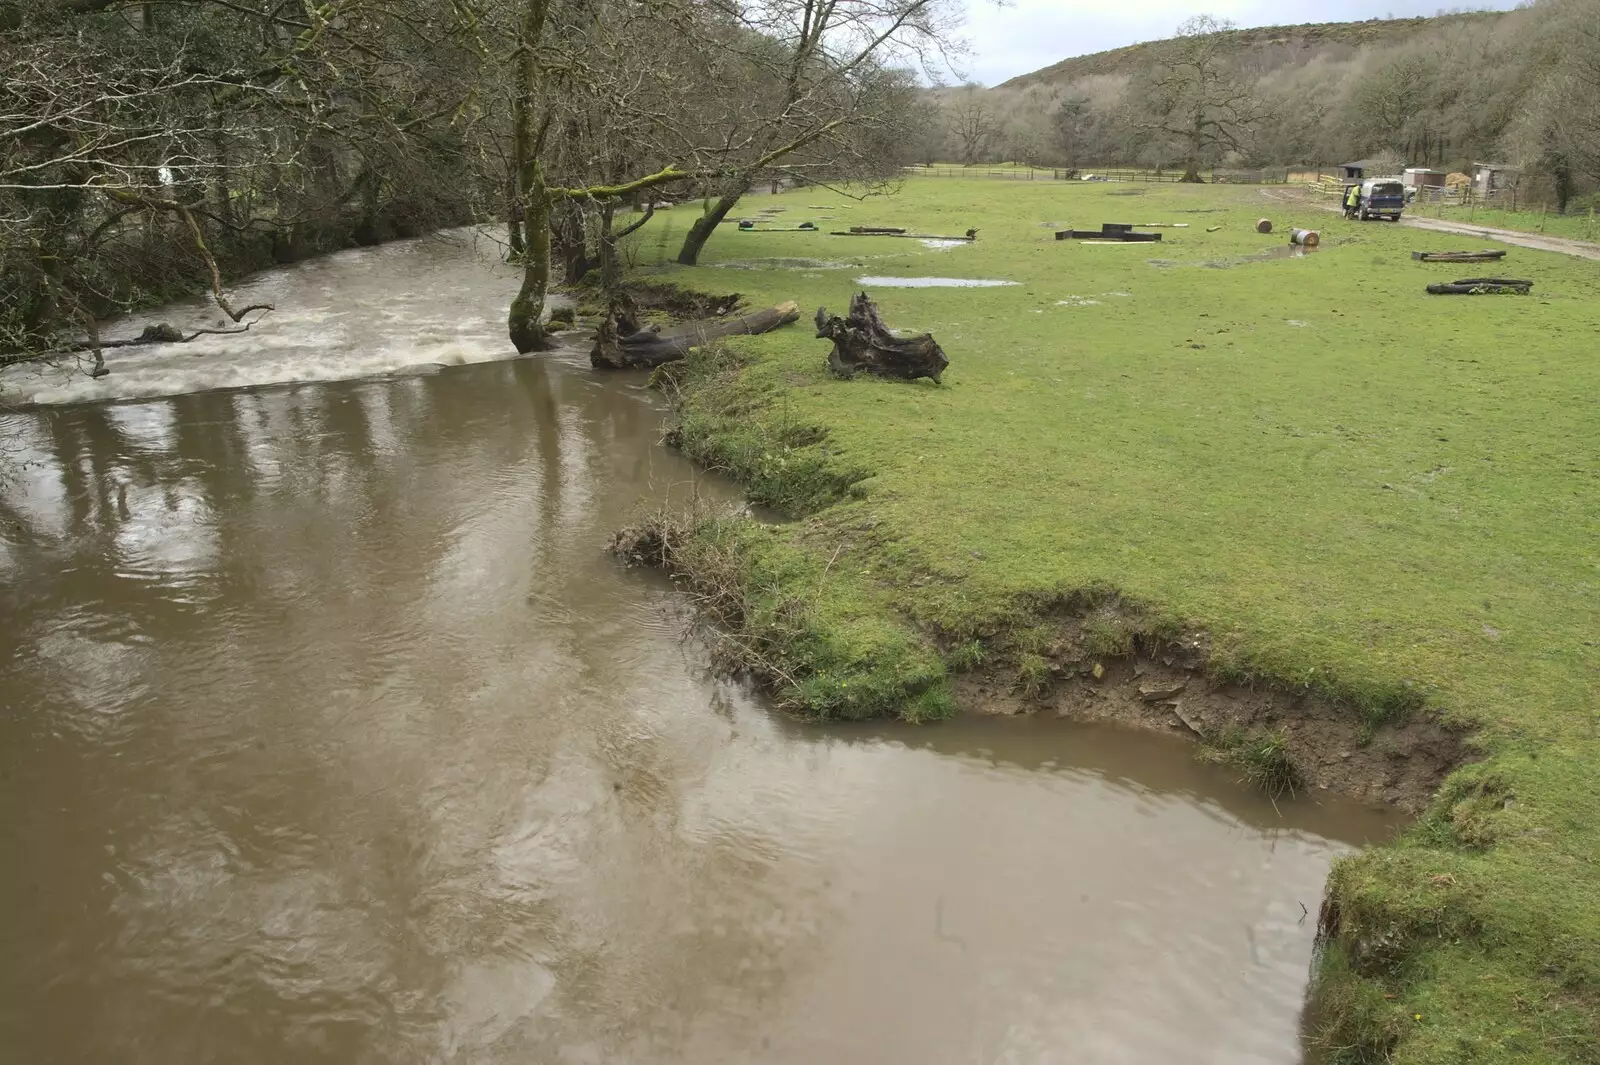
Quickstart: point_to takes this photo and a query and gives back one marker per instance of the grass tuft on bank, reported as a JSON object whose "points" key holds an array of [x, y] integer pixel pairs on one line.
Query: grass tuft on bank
{"points": [[1357, 490]]}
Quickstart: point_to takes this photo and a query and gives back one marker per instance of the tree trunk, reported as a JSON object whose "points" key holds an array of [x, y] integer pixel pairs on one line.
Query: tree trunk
{"points": [[569, 242], [514, 245], [861, 341], [707, 224], [1191, 175], [526, 330], [1561, 173], [647, 348]]}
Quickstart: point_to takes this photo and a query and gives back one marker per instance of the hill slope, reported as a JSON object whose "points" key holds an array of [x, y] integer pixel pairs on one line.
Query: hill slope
{"points": [[1277, 45]]}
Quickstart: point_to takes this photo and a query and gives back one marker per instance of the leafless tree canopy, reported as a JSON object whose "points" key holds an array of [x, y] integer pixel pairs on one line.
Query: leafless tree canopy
{"points": [[148, 148], [151, 147]]}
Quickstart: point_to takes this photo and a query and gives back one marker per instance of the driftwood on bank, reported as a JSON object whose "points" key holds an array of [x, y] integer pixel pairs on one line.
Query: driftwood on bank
{"points": [[646, 349], [861, 341]]}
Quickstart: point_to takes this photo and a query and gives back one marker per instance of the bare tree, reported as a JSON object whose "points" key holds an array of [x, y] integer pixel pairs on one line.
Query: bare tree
{"points": [[1571, 98], [148, 149], [1195, 97], [972, 123], [813, 75]]}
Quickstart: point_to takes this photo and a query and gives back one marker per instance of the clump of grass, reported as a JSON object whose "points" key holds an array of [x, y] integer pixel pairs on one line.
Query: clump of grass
{"points": [[821, 652], [934, 703], [966, 656], [734, 423], [1261, 756], [1468, 813], [1033, 674], [1107, 638], [1352, 1022]]}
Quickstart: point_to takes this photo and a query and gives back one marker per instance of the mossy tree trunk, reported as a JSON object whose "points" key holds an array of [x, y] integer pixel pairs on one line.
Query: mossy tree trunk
{"points": [[524, 325], [523, 322], [715, 211], [569, 241], [514, 243]]}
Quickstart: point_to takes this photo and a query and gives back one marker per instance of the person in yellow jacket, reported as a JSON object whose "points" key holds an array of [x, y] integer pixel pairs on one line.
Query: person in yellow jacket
{"points": [[1352, 201]]}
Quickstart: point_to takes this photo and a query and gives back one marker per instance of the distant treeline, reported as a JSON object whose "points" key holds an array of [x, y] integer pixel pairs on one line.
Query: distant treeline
{"points": [[1521, 88]]}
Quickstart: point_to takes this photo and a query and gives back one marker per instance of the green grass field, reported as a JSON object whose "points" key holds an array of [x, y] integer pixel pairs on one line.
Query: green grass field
{"points": [[1355, 487]]}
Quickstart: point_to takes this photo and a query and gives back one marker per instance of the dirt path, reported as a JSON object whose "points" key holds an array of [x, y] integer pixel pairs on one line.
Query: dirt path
{"points": [[1539, 241]]}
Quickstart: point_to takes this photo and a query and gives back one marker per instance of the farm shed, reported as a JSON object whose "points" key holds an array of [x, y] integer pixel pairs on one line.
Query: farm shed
{"points": [[1357, 171], [1490, 179]]}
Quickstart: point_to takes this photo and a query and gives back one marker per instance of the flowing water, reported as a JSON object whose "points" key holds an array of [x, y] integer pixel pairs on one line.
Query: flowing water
{"points": [[329, 733]]}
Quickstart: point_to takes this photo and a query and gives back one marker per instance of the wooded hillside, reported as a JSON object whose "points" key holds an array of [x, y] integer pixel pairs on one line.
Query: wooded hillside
{"points": [[1268, 45], [1519, 87]]}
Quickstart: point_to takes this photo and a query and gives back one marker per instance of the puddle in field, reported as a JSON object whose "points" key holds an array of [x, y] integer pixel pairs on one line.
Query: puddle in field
{"points": [[931, 282], [1077, 301], [787, 263], [1282, 251], [939, 243]]}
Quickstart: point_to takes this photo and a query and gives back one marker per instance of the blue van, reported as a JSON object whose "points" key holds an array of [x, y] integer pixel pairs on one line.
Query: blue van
{"points": [[1382, 198]]}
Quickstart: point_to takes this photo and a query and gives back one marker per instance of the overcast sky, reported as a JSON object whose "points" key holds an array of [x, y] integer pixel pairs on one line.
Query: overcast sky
{"points": [[1025, 35]]}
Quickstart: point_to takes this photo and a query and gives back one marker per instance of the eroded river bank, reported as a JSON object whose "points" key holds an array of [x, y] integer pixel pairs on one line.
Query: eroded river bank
{"points": [[331, 733]]}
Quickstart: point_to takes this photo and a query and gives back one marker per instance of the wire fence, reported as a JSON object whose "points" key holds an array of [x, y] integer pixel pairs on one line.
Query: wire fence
{"points": [[1505, 206], [1023, 172]]}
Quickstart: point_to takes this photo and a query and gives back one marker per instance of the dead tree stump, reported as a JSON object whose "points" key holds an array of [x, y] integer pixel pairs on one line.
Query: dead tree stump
{"points": [[646, 349], [862, 342]]}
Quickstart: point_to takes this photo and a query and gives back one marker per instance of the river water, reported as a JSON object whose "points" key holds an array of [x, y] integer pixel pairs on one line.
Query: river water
{"points": [[329, 733]]}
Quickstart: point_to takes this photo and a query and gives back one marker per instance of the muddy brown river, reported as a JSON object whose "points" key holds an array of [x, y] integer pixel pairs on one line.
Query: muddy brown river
{"points": [[329, 733]]}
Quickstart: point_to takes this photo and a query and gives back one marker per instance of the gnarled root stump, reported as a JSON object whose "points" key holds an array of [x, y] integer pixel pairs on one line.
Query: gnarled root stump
{"points": [[862, 342], [649, 348]]}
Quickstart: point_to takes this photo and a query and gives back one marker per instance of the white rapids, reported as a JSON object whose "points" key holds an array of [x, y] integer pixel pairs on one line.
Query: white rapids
{"points": [[347, 315]]}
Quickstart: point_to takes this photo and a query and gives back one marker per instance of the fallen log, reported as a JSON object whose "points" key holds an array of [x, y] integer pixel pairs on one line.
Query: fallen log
{"points": [[969, 235], [649, 348], [161, 333], [803, 227], [877, 231], [1483, 286], [861, 341], [1484, 256]]}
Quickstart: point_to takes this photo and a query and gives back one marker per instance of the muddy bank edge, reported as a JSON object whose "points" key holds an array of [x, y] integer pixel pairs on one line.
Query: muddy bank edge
{"points": [[1469, 938]]}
